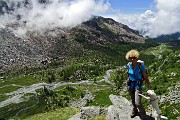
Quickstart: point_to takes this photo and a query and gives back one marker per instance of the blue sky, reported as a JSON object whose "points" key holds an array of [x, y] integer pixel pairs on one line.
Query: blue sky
{"points": [[132, 6], [151, 17]]}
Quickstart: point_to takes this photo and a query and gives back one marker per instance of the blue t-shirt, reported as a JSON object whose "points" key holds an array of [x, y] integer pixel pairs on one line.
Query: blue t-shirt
{"points": [[135, 73]]}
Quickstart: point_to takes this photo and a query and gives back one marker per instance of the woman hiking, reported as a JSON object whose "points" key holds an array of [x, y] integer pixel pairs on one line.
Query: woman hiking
{"points": [[136, 75]]}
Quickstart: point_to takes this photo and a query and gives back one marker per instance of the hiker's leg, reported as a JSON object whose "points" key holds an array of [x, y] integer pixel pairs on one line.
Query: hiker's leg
{"points": [[132, 94], [139, 104]]}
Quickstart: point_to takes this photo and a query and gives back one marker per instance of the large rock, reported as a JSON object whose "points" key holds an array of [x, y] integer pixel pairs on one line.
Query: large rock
{"points": [[120, 110], [88, 112], [81, 102]]}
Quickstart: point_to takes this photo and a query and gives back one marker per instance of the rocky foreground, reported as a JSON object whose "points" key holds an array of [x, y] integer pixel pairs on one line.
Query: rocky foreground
{"points": [[119, 110]]}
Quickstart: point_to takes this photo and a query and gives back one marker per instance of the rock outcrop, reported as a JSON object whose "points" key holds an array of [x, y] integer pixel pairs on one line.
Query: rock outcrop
{"points": [[81, 102], [120, 109]]}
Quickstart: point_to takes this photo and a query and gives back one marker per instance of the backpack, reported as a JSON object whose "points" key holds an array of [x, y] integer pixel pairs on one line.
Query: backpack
{"points": [[139, 66]]}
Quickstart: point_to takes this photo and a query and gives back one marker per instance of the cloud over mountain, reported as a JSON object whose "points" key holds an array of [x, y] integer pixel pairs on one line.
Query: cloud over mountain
{"points": [[40, 14], [165, 21], [167, 18]]}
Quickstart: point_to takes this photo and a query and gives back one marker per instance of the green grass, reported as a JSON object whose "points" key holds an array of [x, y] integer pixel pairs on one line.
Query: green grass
{"points": [[71, 92], [22, 80], [170, 110], [14, 108], [59, 114], [92, 88], [158, 50], [98, 118], [8, 89], [3, 97], [102, 98], [101, 93]]}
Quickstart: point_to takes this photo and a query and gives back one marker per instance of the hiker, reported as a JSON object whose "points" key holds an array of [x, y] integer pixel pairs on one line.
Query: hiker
{"points": [[136, 75]]}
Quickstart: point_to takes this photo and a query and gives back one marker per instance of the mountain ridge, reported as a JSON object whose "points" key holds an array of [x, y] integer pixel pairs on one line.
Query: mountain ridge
{"points": [[57, 43], [170, 37]]}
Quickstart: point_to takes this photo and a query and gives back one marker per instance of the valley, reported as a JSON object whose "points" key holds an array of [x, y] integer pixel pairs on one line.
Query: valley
{"points": [[55, 73], [38, 92]]}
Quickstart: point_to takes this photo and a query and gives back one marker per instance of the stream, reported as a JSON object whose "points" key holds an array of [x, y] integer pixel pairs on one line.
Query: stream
{"points": [[16, 96]]}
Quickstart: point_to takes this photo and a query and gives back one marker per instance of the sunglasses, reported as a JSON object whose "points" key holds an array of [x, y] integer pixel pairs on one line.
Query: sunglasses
{"points": [[132, 57]]}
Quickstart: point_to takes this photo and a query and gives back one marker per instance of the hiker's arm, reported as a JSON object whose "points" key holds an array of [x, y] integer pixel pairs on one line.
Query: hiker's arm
{"points": [[147, 80]]}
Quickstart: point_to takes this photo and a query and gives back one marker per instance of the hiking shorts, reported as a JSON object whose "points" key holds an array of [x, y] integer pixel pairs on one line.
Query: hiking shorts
{"points": [[135, 84]]}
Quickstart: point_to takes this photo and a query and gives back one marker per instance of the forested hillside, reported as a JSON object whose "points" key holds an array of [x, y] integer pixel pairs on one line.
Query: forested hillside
{"points": [[163, 69], [30, 90]]}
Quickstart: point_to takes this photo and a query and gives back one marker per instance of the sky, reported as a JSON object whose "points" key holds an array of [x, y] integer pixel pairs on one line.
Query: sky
{"points": [[151, 17], [132, 6]]}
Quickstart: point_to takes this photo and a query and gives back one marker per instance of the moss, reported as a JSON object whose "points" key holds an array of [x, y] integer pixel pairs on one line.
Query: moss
{"points": [[98, 118]]}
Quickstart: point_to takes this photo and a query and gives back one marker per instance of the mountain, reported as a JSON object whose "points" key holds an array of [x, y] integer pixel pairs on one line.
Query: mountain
{"points": [[171, 37], [85, 67], [57, 43], [141, 23]]}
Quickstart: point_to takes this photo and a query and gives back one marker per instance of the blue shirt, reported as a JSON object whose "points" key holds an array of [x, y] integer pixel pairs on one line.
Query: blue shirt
{"points": [[135, 75]]}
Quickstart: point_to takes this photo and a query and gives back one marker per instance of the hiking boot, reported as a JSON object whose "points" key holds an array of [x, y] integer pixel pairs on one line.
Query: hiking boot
{"points": [[134, 114]]}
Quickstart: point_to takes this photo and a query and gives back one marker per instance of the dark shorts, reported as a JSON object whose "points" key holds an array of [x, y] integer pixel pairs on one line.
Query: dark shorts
{"points": [[135, 84]]}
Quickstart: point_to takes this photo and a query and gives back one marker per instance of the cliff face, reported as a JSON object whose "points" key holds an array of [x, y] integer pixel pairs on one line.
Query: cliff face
{"points": [[57, 43]]}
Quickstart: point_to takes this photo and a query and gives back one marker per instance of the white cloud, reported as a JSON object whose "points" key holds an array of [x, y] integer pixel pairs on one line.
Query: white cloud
{"points": [[165, 21], [69, 13], [140, 22], [167, 18], [56, 13]]}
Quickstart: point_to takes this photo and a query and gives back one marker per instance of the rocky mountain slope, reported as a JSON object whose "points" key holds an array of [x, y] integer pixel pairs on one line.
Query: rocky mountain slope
{"points": [[16, 51], [35, 47]]}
